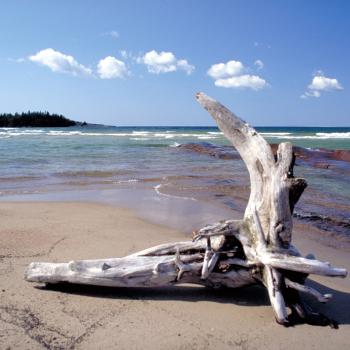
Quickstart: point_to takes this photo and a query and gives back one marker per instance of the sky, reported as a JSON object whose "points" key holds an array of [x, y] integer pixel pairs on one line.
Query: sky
{"points": [[273, 63]]}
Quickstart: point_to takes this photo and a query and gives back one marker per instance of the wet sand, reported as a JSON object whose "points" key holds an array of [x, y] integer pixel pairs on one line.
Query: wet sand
{"points": [[183, 317], [325, 203]]}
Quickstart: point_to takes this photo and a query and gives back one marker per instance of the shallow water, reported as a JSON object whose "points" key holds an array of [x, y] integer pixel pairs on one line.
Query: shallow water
{"points": [[122, 163]]}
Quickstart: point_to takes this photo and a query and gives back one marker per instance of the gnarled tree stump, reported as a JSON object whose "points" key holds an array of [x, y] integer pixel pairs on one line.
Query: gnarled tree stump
{"points": [[232, 253]]}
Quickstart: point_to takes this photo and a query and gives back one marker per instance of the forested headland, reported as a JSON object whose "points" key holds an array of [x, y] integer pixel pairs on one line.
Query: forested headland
{"points": [[36, 119]]}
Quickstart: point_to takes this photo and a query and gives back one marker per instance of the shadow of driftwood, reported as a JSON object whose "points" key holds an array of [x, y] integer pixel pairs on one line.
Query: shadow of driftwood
{"points": [[338, 308], [246, 296]]}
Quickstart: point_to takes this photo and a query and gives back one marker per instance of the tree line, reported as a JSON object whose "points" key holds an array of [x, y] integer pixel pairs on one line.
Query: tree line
{"points": [[36, 119]]}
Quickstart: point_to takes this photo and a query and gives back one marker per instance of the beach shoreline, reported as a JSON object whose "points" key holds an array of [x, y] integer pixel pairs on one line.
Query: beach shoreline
{"points": [[177, 318], [181, 163], [183, 147]]}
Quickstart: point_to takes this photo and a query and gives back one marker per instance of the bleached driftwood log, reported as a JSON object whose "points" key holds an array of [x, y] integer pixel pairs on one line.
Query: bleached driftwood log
{"points": [[231, 253]]}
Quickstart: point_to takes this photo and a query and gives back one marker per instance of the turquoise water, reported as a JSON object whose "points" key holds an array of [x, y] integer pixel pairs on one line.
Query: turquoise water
{"points": [[40, 160], [48, 155]]}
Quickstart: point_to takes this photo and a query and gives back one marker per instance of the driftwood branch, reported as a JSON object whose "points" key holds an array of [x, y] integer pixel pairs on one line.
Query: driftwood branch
{"points": [[231, 253]]}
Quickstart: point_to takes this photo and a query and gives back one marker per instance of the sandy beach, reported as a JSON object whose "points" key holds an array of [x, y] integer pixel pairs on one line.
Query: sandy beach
{"points": [[218, 130], [182, 317]]}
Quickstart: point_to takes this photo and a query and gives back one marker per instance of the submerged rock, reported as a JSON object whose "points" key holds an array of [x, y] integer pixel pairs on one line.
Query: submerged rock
{"points": [[221, 152]]}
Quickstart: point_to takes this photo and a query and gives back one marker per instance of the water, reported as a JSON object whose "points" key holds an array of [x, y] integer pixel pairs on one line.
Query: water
{"points": [[40, 160]]}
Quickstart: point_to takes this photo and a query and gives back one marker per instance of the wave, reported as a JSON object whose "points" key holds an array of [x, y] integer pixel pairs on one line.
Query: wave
{"points": [[35, 131], [316, 136], [141, 132], [215, 133], [272, 134], [168, 134], [164, 135], [140, 138], [334, 135], [19, 133], [157, 189], [140, 135], [205, 137], [63, 133]]}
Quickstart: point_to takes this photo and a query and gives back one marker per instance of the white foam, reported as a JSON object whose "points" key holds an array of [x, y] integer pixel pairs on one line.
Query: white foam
{"points": [[79, 133], [274, 134], [205, 137], [140, 138], [165, 135], [107, 134], [157, 189], [146, 135], [141, 132], [323, 136], [334, 135], [17, 133], [35, 131], [176, 135], [63, 133], [316, 136]]}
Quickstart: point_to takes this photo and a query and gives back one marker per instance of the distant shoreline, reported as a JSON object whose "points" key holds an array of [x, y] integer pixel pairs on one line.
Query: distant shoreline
{"points": [[37, 119]]}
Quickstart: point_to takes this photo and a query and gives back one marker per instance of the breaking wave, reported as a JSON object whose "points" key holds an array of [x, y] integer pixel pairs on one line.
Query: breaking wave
{"points": [[316, 136], [164, 135]]}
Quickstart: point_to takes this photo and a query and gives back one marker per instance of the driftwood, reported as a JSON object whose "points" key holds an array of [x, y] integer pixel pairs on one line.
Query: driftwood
{"points": [[231, 253]]}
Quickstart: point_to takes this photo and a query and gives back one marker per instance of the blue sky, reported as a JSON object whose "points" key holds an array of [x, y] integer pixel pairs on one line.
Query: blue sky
{"points": [[141, 62]]}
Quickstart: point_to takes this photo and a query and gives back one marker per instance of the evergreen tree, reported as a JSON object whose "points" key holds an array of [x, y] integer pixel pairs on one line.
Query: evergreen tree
{"points": [[35, 119]]}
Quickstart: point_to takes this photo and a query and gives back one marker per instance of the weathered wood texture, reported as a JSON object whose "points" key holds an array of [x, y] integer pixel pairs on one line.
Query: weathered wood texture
{"points": [[232, 253]]}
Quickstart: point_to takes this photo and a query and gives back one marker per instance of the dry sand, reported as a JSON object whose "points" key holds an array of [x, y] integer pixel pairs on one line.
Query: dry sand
{"points": [[182, 317]]}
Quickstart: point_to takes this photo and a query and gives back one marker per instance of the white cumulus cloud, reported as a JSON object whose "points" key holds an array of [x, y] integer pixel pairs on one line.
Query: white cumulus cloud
{"points": [[233, 74], [184, 65], [321, 83], [111, 68], [253, 82], [60, 62], [164, 62], [221, 70]]}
